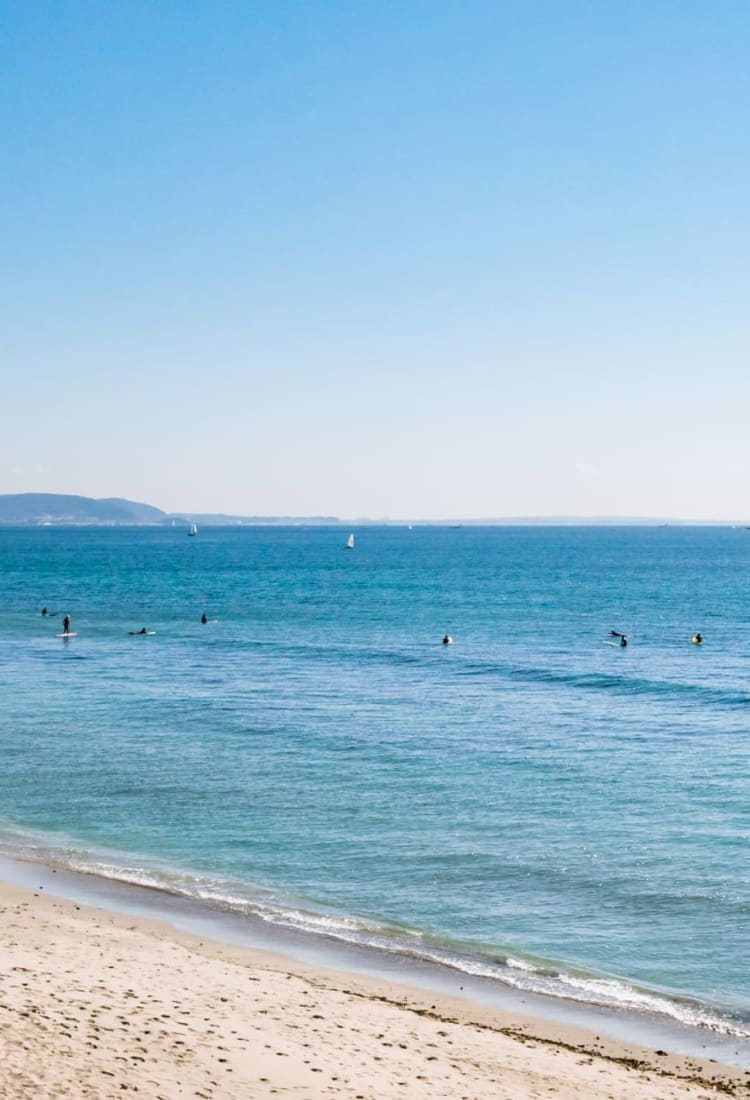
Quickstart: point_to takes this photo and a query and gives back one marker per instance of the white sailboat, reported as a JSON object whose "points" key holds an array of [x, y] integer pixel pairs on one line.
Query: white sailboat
{"points": [[193, 529], [350, 542]]}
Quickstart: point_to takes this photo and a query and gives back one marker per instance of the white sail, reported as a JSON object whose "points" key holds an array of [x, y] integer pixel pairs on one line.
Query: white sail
{"points": [[193, 529], [350, 542]]}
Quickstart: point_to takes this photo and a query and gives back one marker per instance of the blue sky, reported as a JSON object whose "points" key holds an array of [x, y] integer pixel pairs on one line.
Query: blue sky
{"points": [[377, 259]]}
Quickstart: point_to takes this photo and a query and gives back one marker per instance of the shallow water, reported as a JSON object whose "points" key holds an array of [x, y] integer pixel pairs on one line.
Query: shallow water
{"points": [[528, 804]]}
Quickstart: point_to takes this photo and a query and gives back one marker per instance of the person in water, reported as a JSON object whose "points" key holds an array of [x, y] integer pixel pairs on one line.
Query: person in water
{"points": [[623, 641], [66, 624], [44, 612], [447, 640], [135, 633], [203, 618], [698, 639]]}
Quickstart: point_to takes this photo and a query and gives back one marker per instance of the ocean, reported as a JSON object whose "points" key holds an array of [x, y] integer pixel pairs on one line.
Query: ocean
{"points": [[529, 804]]}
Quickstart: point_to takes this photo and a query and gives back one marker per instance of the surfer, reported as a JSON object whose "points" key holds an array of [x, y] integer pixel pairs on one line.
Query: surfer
{"points": [[135, 633], [44, 612], [698, 639], [447, 640], [204, 618], [66, 624]]}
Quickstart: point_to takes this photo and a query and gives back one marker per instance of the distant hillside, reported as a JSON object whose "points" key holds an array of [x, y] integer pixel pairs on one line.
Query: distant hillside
{"points": [[141, 513], [61, 510], [39, 509]]}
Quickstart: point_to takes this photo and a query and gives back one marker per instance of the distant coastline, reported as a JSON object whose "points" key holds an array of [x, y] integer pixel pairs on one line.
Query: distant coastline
{"points": [[67, 510]]}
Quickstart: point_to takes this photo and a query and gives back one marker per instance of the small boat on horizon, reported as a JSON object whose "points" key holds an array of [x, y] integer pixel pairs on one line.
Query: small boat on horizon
{"points": [[193, 529], [350, 542]]}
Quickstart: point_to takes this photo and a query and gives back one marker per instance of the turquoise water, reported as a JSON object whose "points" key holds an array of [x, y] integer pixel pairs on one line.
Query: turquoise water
{"points": [[529, 803]]}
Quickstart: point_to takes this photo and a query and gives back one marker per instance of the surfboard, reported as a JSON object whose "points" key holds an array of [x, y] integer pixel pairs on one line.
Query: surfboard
{"points": [[616, 645], [70, 634], [140, 634]]}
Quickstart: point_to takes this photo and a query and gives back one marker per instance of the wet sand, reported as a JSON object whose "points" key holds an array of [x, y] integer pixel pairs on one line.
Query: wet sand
{"points": [[98, 1004]]}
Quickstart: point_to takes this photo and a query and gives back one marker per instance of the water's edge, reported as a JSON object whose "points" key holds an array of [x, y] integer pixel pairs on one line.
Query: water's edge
{"points": [[196, 917]]}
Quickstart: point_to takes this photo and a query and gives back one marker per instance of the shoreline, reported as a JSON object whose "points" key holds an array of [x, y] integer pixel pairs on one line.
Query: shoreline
{"points": [[97, 1002], [644, 1044], [647, 1027]]}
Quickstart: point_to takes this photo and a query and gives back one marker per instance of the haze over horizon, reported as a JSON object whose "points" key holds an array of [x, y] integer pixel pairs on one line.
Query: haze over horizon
{"points": [[63, 509], [398, 261]]}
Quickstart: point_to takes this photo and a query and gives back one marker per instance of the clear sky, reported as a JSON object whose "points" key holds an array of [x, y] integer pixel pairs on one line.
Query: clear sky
{"points": [[377, 258]]}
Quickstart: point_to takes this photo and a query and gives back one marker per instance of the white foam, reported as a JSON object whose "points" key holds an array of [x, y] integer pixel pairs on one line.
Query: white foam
{"points": [[520, 964]]}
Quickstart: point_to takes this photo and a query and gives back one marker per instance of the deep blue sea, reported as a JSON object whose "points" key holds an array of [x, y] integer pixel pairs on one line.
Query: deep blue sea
{"points": [[529, 803]]}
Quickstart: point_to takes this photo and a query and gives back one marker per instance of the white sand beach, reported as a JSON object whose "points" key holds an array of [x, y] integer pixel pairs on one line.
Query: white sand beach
{"points": [[96, 1004]]}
